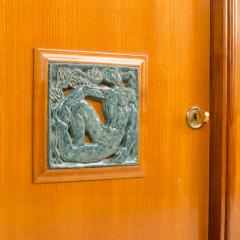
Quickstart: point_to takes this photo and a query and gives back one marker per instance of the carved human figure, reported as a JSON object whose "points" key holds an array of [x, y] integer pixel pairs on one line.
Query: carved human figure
{"points": [[75, 117]]}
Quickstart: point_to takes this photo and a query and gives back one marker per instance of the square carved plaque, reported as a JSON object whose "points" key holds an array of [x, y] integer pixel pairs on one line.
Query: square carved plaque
{"points": [[87, 111]]}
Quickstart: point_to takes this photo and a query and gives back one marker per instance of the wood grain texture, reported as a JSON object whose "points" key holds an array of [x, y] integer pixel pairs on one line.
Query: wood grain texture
{"points": [[171, 203], [233, 177], [218, 123]]}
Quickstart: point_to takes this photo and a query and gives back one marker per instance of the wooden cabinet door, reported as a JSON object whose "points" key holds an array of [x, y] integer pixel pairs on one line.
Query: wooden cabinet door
{"points": [[171, 201]]}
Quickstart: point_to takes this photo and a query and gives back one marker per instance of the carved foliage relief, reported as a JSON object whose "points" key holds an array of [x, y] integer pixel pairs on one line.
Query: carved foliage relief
{"points": [[77, 134]]}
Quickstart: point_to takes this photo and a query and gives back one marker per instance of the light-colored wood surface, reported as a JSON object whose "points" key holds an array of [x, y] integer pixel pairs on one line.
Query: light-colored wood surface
{"points": [[171, 203], [233, 179]]}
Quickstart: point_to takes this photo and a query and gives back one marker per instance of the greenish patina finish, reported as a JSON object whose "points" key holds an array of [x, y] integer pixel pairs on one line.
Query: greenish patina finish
{"points": [[71, 117]]}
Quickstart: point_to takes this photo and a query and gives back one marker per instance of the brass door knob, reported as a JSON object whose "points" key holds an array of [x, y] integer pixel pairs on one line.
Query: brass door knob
{"points": [[196, 117]]}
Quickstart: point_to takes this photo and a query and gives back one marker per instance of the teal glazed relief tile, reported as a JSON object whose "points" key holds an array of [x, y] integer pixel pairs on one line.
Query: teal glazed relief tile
{"points": [[71, 117]]}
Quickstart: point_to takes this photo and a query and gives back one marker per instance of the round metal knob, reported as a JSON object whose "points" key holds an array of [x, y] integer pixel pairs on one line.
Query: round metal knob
{"points": [[196, 117]]}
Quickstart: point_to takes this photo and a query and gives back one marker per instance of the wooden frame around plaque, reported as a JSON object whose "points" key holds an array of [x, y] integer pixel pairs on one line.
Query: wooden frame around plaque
{"points": [[41, 171]]}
